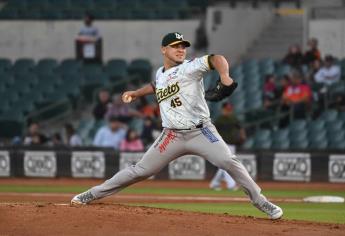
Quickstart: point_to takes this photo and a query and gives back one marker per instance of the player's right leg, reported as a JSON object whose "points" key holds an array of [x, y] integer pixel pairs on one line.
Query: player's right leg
{"points": [[166, 148]]}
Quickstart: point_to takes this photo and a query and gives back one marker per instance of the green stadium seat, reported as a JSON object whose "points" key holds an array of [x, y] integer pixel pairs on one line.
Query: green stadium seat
{"points": [[254, 101], [23, 65], [334, 126], [316, 125], [29, 79], [279, 144], [299, 144], [82, 4], [280, 135], [298, 125], [8, 14], [5, 64], [262, 135], [248, 144], [317, 136], [11, 125], [37, 4], [60, 4], [33, 14], [106, 4], [73, 13], [69, 66], [329, 115], [116, 69], [341, 116], [46, 66], [263, 144], [141, 68], [337, 145], [9, 95], [321, 144], [91, 69], [4, 105], [298, 136], [6, 79], [52, 14], [336, 136]]}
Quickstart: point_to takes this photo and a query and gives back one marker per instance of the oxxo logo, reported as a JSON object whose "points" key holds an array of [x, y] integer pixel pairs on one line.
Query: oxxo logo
{"points": [[292, 166], [4, 163], [40, 164], [187, 167], [336, 168], [88, 164], [249, 162]]}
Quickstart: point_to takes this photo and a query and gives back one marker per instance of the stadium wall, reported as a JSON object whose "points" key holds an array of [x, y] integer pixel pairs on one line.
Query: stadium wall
{"points": [[298, 165], [331, 36], [232, 31], [121, 39]]}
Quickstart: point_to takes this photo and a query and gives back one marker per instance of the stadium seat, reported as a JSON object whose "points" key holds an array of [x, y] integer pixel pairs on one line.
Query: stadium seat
{"points": [[5, 65], [116, 69], [317, 136], [141, 68], [278, 144], [263, 144], [46, 66], [262, 135], [316, 125], [329, 115], [334, 126], [280, 135], [321, 144], [69, 66], [297, 125], [249, 143], [338, 145], [298, 136], [91, 69], [23, 65], [337, 136], [299, 144]]}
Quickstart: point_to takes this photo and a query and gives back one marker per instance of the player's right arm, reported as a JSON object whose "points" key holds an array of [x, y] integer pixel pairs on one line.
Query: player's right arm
{"points": [[143, 91]]}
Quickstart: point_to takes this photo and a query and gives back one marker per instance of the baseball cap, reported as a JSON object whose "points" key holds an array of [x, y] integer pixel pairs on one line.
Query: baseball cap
{"points": [[174, 38]]}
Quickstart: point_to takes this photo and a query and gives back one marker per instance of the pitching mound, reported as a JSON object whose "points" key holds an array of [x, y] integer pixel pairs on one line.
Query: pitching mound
{"points": [[114, 219]]}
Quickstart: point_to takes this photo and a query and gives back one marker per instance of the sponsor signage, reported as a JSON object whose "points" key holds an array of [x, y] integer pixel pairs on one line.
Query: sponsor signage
{"points": [[187, 167], [39, 164], [336, 168], [249, 162], [4, 164], [88, 164], [292, 166]]}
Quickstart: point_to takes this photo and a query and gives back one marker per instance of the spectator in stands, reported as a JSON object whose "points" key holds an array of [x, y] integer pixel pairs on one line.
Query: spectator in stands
{"points": [[72, 138], [102, 105], [56, 140], [312, 54], [312, 70], [132, 142], [148, 133], [111, 135], [88, 33], [147, 109], [294, 57], [283, 84], [270, 91], [329, 73], [34, 136], [229, 126], [297, 96], [121, 110]]}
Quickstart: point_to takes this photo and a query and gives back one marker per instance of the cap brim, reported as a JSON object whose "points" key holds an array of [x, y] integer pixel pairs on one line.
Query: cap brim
{"points": [[185, 42]]}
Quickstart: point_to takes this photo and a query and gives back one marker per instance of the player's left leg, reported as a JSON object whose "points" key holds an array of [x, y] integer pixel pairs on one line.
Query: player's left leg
{"points": [[207, 143], [166, 148]]}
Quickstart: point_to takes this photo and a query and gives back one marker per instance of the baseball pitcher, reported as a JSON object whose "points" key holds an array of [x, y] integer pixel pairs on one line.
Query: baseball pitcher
{"points": [[179, 90]]}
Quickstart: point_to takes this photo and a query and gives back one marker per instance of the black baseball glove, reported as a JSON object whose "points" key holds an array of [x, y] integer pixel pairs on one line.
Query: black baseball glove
{"points": [[220, 92]]}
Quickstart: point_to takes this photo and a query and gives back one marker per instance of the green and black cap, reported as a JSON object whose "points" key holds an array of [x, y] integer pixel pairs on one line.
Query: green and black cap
{"points": [[174, 38]]}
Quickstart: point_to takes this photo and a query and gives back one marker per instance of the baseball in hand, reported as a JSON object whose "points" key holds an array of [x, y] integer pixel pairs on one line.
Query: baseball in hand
{"points": [[127, 99]]}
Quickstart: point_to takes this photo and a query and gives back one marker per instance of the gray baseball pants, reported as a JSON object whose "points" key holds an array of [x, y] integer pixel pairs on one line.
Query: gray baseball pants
{"points": [[171, 144]]}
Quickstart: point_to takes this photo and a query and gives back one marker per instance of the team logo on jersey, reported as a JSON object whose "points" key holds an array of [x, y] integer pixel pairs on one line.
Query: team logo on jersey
{"points": [[164, 93], [173, 75]]}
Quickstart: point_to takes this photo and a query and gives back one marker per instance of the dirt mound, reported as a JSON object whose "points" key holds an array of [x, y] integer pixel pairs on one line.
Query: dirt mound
{"points": [[114, 219]]}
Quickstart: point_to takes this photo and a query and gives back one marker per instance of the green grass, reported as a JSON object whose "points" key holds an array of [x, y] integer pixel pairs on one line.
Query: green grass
{"points": [[169, 191], [320, 212]]}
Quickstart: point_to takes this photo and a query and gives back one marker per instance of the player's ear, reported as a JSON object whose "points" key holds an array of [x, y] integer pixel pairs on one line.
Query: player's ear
{"points": [[163, 50]]}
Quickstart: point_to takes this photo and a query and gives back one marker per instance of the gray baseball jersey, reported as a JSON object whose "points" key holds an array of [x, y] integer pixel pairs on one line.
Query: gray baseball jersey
{"points": [[180, 94]]}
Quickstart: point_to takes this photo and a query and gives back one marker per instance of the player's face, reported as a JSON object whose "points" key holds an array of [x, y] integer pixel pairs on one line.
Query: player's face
{"points": [[175, 53]]}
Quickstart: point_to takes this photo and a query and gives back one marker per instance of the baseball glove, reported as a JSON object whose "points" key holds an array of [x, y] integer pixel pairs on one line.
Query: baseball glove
{"points": [[220, 92]]}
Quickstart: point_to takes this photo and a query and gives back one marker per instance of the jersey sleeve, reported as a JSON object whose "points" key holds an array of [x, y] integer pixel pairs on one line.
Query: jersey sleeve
{"points": [[198, 66]]}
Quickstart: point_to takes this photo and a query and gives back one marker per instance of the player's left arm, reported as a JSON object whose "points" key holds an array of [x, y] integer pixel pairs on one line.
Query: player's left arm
{"points": [[221, 65]]}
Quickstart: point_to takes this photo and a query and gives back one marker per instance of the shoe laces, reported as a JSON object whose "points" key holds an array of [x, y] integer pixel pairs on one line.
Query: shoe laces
{"points": [[86, 197], [268, 207]]}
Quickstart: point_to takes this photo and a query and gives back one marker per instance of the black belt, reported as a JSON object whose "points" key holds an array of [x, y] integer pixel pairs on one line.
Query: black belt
{"points": [[199, 126]]}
